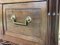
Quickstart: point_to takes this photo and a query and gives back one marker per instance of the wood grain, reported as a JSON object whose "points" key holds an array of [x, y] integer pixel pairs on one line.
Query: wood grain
{"points": [[10, 1], [43, 22], [19, 40]]}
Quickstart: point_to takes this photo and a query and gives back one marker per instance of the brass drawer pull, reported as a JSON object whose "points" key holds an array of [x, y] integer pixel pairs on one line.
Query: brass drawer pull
{"points": [[25, 23]]}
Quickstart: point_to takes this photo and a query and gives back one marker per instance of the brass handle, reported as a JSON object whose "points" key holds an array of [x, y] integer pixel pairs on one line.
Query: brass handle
{"points": [[25, 23]]}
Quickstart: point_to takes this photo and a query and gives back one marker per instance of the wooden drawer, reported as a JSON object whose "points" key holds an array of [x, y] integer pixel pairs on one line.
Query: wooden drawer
{"points": [[26, 21]]}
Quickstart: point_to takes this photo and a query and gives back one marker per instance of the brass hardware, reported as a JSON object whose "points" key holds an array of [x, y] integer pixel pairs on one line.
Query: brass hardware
{"points": [[25, 23]]}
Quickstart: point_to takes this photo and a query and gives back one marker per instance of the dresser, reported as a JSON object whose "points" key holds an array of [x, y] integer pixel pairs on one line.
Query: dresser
{"points": [[29, 22]]}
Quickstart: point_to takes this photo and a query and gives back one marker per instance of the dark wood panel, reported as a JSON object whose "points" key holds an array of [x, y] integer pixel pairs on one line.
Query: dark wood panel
{"points": [[53, 22]]}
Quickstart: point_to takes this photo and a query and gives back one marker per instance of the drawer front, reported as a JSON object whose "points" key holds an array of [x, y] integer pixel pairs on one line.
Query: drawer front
{"points": [[21, 26], [26, 20]]}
